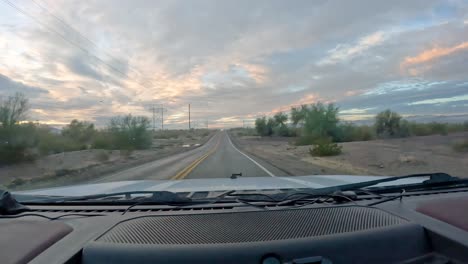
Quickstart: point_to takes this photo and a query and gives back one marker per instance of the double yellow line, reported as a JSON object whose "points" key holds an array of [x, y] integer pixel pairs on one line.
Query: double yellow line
{"points": [[183, 173]]}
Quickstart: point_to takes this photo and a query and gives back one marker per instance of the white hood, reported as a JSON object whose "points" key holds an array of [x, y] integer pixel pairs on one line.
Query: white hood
{"points": [[224, 184]]}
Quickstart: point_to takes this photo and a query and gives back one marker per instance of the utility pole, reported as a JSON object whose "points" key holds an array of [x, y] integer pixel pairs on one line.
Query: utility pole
{"points": [[189, 116], [206, 124], [162, 110], [153, 109], [243, 123]]}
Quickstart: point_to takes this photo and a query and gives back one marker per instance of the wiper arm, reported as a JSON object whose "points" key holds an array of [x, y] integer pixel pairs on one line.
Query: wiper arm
{"points": [[434, 178], [438, 177], [163, 197]]}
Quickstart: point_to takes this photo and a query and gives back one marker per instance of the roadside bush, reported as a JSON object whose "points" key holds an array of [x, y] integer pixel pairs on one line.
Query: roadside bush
{"points": [[347, 132], [461, 146], [103, 140], [79, 131], [281, 130], [130, 132], [244, 131], [102, 156], [50, 143], [435, 128], [17, 143], [321, 121], [387, 124], [168, 134], [325, 147]]}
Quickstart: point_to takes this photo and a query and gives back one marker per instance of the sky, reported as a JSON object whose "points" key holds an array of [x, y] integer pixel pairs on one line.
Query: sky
{"points": [[233, 61]]}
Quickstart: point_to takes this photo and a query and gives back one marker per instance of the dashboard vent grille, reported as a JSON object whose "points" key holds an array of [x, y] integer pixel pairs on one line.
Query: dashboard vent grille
{"points": [[240, 227]]}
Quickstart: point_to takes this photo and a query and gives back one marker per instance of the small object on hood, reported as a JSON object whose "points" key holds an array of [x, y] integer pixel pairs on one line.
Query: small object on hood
{"points": [[235, 175], [9, 206]]}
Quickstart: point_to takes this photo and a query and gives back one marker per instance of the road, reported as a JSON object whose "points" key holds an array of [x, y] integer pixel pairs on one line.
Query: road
{"points": [[217, 158]]}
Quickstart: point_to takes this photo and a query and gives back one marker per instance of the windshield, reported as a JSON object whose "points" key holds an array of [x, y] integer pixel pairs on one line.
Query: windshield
{"points": [[229, 95]]}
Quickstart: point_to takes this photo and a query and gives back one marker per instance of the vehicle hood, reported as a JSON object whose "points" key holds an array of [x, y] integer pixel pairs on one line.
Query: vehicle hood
{"points": [[214, 184]]}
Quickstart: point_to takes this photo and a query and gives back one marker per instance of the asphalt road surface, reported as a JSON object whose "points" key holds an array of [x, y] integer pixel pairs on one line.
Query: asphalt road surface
{"points": [[217, 158]]}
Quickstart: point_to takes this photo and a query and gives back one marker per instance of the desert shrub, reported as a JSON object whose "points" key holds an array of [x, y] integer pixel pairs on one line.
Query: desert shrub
{"points": [[16, 139], [387, 124], [50, 143], [168, 134], [347, 132], [461, 146], [419, 129], [80, 131], [102, 156], [281, 130], [103, 140], [244, 131], [435, 128], [404, 129], [17, 143], [321, 121], [325, 147], [130, 132]]}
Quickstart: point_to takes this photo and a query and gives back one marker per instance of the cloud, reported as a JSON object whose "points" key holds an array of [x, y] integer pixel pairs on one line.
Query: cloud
{"points": [[343, 52], [441, 100], [434, 53], [9, 87], [235, 60]]}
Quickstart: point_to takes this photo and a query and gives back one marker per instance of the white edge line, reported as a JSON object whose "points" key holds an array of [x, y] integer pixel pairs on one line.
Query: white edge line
{"points": [[256, 163]]}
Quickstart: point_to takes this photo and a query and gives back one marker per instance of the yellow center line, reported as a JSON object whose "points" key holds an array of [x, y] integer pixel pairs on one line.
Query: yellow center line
{"points": [[186, 171]]}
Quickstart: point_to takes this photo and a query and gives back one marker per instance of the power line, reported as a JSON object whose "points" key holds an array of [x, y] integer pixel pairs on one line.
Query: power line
{"points": [[67, 40], [62, 21]]}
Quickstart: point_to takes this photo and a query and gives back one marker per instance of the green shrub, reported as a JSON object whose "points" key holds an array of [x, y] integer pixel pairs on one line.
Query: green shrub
{"points": [[168, 134], [325, 147], [79, 131], [281, 130], [387, 124], [103, 140], [102, 156], [50, 143], [347, 132], [17, 143], [461, 146], [130, 132], [321, 121]]}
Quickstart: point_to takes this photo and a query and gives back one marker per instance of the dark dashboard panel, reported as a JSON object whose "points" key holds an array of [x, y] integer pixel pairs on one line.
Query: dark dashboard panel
{"points": [[358, 247], [244, 227], [391, 232]]}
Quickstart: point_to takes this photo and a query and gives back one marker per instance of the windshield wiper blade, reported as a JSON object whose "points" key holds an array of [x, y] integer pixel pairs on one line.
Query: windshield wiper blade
{"points": [[163, 197], [437, 177], [434, 178]]}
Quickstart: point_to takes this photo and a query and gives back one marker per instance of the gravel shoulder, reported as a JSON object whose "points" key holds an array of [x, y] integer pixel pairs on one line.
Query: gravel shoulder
{"points": [[82, 166], [377, 157]]}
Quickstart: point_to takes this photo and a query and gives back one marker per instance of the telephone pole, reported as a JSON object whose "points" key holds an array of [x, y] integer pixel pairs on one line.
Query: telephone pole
{"points": [[162, 110], [153, 109], [189, 116]]}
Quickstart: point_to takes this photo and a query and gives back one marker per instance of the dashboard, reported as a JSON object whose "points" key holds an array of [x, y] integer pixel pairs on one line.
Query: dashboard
{"points": [[423, 227]]}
